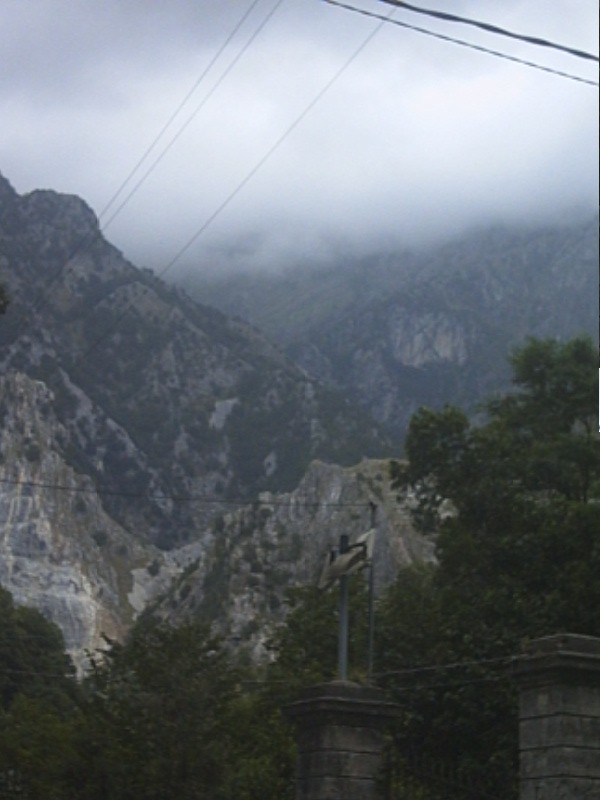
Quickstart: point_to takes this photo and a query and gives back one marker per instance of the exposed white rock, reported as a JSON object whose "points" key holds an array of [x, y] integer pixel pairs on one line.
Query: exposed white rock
{"points": [[270, 463], [60, 552], [259, 551], [223, 409]]}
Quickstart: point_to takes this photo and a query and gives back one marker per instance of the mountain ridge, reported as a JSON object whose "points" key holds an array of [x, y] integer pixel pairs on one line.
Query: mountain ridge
{"points": [[147, 413], [135, 420], [426, 328]]}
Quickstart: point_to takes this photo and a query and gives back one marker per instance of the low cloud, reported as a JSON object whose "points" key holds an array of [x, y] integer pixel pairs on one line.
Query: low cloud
{"points": [[417, 140]]}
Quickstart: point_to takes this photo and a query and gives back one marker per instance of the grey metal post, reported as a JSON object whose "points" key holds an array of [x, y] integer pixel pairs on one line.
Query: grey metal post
{"points": [[371, 621], [372, 598], [343, 631]]}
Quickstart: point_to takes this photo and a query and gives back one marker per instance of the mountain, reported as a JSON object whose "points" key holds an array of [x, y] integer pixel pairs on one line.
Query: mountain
{"points": [[132, 417], [398, 331], [239, 582], [156, 453], [159, 394]]}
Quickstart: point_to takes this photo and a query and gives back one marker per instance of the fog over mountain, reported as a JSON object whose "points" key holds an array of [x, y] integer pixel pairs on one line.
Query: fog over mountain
{"points": [[417, 139]]}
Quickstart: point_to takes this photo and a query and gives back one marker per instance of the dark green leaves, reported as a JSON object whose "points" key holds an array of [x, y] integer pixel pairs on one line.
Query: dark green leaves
{"points": [[519, 558]]}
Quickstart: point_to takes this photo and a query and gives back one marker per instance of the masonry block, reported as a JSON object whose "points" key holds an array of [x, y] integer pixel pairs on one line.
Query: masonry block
{"points": [[340, 732], [559, 718]]}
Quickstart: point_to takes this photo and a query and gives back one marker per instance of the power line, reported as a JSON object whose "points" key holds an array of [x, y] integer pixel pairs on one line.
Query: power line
{"points": [[253, 171], [89, 238], [35, 673], [452, 684], [463, 43], [158, 159], [198, 108], [452, 665], [486, 26], [178, 498], [180, 107]]}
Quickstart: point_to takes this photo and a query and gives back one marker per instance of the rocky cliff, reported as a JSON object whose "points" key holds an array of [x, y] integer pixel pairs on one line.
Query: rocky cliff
{"points": [[258, 552], [132, 418], [158, 395], [402, 330], [59, 550], [63, 553]]}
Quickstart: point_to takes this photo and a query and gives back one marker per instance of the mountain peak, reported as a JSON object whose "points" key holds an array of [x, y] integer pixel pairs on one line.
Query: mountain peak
{"points": [[7, 192], [62, 211]]}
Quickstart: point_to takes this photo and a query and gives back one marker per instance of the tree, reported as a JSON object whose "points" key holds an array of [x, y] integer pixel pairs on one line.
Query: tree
{"points": [[305, 648], [169, 715], [155, 717], [32, 658], [38, 700], [519, 557], [3, 300]]}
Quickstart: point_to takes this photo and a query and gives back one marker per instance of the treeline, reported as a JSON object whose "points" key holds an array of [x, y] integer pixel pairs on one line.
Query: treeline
{"points": [[514, 504]]}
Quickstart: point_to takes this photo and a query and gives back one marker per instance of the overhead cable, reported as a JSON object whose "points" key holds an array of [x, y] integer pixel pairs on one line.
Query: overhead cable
{"points": [[194, 114], [486, 26], [462, 43], [202, 499], [502, 661], [181, 105], [87, 239], [259, 164]]}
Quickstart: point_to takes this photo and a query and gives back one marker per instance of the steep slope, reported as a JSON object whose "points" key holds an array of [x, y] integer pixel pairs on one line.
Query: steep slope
{"points": [[131, 417], [159, 396], [428, 328], [260, 551], [59, 550]]}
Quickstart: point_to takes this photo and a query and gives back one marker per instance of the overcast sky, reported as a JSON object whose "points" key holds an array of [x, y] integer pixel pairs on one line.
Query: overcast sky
{"points": [[416, 139]]}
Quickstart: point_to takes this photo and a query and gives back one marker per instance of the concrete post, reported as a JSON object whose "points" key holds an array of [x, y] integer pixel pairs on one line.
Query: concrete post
{"points": [[340, 735], [559, 718]]}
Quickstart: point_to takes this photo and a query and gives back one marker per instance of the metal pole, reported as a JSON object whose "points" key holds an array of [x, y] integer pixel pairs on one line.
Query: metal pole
{"points": [[343, 632], [372, 597], [371, 620]]}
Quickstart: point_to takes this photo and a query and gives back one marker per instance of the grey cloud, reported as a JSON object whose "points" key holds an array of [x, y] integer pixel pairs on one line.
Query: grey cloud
{"points": [[417, 139]]}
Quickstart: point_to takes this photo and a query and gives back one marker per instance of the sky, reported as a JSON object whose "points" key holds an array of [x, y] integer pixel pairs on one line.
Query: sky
{"points": [[309, 131]]}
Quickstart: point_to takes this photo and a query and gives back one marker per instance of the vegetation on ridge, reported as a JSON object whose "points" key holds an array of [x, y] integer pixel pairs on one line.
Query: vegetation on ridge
{"points": [[171, 714]]}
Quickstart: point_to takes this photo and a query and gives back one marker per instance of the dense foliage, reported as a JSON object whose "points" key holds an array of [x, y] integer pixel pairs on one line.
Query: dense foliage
{"points": [[519, 558], [38, 698], [514, 504], [166, 715]]}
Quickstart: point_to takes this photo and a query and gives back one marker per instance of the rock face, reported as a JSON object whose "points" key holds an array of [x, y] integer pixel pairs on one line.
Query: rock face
{"points": [[154, 451], [63, 553], [158, 395], [401, 331], [59, 550], [131, 418], [260, 551]]}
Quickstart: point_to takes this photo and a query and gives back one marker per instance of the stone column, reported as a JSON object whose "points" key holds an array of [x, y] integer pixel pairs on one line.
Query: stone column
{"points": [[340, 735], [559, 718]]}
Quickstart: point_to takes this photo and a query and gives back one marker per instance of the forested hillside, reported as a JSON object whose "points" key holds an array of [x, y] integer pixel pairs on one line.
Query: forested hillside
{"points": [[174, 713], [397, 331]]}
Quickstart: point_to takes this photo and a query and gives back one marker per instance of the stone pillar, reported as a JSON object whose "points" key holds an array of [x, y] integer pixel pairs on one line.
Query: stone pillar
{"points": [[559, 718], [340, 735]]}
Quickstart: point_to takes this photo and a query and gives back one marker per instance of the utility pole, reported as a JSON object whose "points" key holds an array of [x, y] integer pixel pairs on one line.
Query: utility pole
{"points": [[343, 631], [372, 599]]}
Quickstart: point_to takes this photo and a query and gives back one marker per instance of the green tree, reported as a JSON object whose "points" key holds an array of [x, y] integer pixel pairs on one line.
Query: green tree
{"points": [[169, 715], [305, 648], [32, 657], [519, 557], [155, 718], [3, 300], [38, 701]]}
